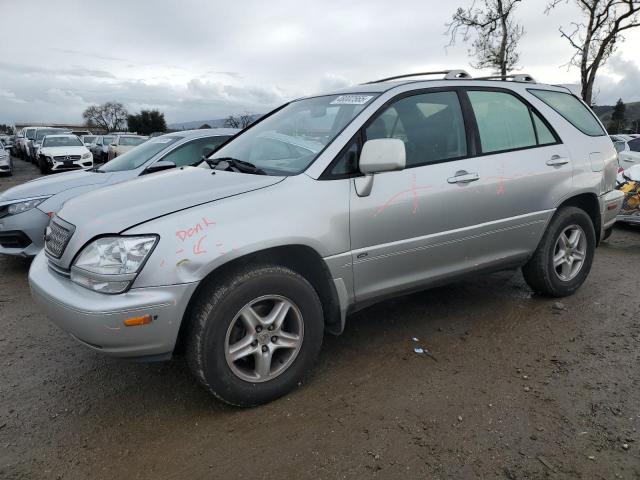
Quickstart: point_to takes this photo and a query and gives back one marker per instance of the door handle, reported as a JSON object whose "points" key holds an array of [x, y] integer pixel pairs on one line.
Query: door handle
{"points": [[557, 161], [462, 176]]}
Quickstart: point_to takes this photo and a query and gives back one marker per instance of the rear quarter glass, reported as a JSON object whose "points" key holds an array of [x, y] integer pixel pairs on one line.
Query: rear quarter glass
{"points": [[572, 110]]}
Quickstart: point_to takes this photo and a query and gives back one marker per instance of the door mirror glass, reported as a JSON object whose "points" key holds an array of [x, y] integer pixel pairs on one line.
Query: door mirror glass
{"points": [[159, 166], [382, 155]]}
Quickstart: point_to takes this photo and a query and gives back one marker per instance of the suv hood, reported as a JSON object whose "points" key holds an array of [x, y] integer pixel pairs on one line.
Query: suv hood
{"points": [[123, 205], [53, 184]]}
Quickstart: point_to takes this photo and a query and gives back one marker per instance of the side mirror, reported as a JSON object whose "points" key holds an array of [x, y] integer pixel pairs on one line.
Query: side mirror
{"points": [[379, 155], [382, 155], [159, 166]]}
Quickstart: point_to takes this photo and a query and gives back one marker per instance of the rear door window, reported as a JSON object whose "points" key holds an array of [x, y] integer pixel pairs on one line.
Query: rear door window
{"points": [[572, 109], [503, 121]]}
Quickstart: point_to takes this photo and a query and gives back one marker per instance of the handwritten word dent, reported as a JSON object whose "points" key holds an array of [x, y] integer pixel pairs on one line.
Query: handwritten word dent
{"points": [[197, 228]]}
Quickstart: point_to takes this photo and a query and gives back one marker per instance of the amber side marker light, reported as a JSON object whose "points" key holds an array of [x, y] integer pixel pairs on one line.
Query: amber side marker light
{"points": [[135, 321]]}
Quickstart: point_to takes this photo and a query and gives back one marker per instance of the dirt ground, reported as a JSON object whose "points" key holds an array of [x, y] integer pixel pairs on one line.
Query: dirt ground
{"points": [[513, 387]]}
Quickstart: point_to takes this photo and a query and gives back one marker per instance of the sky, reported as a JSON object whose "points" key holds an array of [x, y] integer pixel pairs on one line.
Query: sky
{"points": [[197, 60]]}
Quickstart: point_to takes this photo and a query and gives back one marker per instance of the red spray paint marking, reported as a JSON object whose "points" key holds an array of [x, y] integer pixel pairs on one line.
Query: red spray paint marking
{"points": [[413, 189], [197, 249], [197, 228]]}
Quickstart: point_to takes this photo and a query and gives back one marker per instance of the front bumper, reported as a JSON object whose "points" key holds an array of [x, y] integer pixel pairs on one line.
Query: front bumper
{"points": [[96, 320], [610, 205], [23, 234]]}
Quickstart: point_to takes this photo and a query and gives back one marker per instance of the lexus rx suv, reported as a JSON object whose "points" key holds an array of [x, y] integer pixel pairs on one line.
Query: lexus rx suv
{"points": [[326, 205]]}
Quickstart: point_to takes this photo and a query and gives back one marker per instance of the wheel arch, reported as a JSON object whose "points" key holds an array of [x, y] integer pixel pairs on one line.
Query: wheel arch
{"points": [[590, 204], [300, 258]]}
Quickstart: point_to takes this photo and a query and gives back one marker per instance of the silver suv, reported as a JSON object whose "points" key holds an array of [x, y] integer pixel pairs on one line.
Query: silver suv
{"points": [[326, 205]]}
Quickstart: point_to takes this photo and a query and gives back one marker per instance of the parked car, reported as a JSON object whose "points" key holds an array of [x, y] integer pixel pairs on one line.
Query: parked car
{"points": [[629, 185], [24, 137], [6, 163], [88, 140], [34, 145], [60, 153], [630, 155], [123, 143], [25, 209], [100, 148], [7, 142], [244, 266]]}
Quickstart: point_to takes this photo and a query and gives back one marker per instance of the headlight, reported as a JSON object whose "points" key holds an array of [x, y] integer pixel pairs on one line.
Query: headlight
{"points": [[110, 264], [86, 155], [25, 205]]}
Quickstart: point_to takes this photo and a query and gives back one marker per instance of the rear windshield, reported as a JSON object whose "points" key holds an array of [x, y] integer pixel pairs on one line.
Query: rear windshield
{"points": [[131, 141], [634, 145], [70, 141], [572, 109], [136, 157]]}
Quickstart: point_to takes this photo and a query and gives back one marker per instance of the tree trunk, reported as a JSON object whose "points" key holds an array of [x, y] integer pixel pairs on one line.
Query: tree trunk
{"points": [[503, 43]]}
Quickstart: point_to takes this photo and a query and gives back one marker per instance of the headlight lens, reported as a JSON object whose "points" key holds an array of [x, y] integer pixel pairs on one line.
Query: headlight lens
{"points": [[110, 264], [86, 155], [25, 205]]}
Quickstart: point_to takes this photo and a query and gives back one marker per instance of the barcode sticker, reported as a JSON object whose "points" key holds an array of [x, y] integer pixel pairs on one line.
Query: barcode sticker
{"points": [[352, 100]]}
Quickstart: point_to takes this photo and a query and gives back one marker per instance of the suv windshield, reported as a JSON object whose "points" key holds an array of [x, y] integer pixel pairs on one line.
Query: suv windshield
{"points": [[106, 140], [47, 131], [288, 141], [30, 133], [70, 141], [131, 141], [136, 157], [88, 138]]}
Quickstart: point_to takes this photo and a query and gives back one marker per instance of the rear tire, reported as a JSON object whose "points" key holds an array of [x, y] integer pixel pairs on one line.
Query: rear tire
{"points": [[559, 266], [219, 323]]}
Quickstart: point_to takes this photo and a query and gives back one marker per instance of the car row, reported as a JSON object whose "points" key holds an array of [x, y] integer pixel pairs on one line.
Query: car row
{"points": [[25, 210], [326, 205]]}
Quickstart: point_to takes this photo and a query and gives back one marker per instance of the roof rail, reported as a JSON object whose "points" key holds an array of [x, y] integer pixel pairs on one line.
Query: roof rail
{"points": [[448, 75], [520, 77]]}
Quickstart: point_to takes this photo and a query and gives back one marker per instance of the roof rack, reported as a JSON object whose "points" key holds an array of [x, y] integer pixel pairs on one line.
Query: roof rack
{"points": [[448, 75], [520, 77]]}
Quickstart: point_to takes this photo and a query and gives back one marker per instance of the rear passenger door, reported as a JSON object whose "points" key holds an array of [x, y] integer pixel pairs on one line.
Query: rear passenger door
{"points": [[523, 165]]}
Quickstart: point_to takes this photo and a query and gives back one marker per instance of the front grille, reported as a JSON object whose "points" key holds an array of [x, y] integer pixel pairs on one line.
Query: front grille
{"points": [[14, 239], [65, 158], [57, 237]]}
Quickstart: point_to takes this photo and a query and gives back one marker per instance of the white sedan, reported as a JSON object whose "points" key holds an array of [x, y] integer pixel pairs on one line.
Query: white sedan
{"points": [[62, 153], [630, 154]]}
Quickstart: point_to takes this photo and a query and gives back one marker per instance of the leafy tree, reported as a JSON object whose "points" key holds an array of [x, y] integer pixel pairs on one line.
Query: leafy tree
{"points": [[496, 33], [110, 116], [595, 37], [7, 129], [617, 117], [147, 122]]}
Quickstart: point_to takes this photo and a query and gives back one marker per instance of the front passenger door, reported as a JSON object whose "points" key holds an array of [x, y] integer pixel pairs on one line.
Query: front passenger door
{"points": [[417, 225]]}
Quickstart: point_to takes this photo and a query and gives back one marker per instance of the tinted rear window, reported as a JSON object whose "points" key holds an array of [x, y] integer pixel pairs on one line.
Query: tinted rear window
{"points": [[634, 145], [572, 109]]}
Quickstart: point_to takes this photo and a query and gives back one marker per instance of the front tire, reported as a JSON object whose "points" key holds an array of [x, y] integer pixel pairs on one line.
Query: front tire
{"points": [[563, 259], [253, 336]]}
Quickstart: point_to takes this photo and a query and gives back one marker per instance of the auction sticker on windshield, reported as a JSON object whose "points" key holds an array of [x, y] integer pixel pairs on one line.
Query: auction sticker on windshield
{"points": [[352, 100]]}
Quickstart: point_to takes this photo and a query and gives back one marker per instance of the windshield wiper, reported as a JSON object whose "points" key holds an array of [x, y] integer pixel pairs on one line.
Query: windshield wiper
{"points": [[235, 165]]}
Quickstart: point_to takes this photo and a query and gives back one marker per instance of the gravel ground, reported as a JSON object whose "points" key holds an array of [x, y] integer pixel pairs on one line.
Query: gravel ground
{"points": [[513, 386]]}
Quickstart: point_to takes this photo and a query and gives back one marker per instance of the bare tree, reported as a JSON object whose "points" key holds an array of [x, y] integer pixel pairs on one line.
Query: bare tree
{"points": [[595, 38], [110, 116], [239, 121], [496, 33]]}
